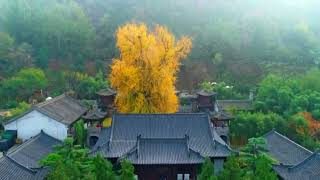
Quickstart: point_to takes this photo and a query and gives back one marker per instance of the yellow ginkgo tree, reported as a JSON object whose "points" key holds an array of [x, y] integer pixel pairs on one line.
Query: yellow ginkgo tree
{"points": [[145, 73]]}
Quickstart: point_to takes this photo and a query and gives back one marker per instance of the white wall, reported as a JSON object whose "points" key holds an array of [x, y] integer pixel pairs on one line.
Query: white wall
{"points": [[32, 123]]}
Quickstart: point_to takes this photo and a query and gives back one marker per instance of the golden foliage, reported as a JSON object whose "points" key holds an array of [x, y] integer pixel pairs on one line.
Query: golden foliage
{"points": [[145, 74]]}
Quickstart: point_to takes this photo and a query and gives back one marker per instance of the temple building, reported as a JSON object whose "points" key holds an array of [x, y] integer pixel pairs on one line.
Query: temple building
{"points": [[94, 120], [23, 161], [283, 149], [163, 146], [309, 169], [206, 102], [106, 99], [295, 162], [100, 114], [55, 117]]}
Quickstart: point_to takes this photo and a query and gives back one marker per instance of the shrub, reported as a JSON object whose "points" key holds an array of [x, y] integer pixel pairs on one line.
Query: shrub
{"points": [[316, 114]]}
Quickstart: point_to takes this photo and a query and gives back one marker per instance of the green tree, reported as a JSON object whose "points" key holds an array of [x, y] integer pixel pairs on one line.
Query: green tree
{"points": [[127, 171], [21, 108], [275, 94], [71, 162], [58, 172], [103, 168], [56, 29], [57, 82], [73, 159], [7, 43], [311, 80], [80, 133], [85, 86], [254, 157], [207, 171], [223, 90], [231, 170], [255, 147], [23, 84], [255, 124], [263, 170], [13, 57]]}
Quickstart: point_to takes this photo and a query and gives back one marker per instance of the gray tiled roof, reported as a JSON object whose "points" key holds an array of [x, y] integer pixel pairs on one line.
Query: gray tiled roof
{"points": [[308, 169], [95, 114], [186, 95], [12, 170], [203, 92], [164, 151], [121, 138], [32, 151], [285, 150], [106, 92], [63, 108]]}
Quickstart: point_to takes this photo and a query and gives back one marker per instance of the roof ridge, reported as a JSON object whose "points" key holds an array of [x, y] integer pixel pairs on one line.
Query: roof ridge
{"points": [[28, 141], [210, 132], [96, 148], [50, 114], [269, 132], [20, 165], [40, 105], [196, 152], [76, 101], [162, 138], [287, 139], [313, 155], [135, 148], [43, 132], [131, 150]]}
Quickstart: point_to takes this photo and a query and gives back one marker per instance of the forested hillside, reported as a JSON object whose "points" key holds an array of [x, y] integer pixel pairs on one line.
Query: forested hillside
{"points": [[149, 52], [234, 41], [72, 42]]}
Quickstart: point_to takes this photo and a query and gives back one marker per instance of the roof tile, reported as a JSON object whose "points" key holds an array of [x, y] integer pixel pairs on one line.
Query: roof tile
{"points": [[285, 150], [121, 138], [32, 151]]}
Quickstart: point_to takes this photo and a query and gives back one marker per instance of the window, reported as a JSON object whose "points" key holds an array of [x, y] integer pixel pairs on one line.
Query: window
{"points": [[183, 177]]}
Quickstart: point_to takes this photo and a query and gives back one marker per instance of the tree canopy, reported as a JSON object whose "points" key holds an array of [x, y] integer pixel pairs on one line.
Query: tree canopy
{"points": [[145, 74], [23, 84], [71, 162], [207, 171]]}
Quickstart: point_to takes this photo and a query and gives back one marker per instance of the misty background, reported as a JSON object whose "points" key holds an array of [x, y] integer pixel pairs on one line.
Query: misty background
{"points": [[235, 41]]}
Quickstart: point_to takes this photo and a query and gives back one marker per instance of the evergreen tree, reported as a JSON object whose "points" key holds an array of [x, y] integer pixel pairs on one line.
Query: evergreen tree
{"points": [[103, 168], [207, 170], [69, 161], [58, 172], [80, 133], [254, 148], [127, 171], [263, 169], [231, 169]]}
